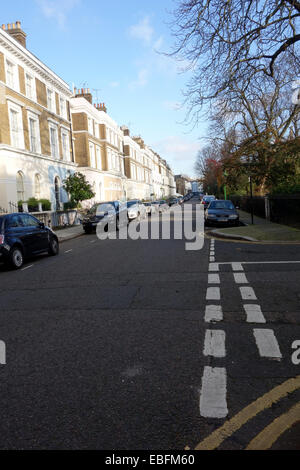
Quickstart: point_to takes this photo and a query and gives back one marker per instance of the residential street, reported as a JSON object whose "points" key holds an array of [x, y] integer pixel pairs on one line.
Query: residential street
{"points": [[108, 344]]}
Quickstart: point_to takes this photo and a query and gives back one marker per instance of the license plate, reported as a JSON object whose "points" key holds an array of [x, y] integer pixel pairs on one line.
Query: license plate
{"points": [[222, 219]]}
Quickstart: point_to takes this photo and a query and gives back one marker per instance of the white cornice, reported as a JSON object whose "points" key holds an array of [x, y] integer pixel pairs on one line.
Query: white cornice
{"points": [[32, 62]]}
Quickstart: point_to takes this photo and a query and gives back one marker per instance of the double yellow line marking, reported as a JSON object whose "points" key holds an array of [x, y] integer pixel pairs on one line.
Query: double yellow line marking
{"points": [[270, 434]]}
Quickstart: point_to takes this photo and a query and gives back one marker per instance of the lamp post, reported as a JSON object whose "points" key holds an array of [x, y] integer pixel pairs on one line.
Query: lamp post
{"points": [[251, 199], [249, 165], [225, 192]]}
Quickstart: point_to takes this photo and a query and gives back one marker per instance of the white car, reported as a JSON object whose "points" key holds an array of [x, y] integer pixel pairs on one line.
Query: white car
{"points": [[150, 207], [136, 210]]}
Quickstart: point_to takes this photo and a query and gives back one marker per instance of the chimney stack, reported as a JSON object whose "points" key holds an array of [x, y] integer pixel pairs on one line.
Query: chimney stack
{"points": [[16, 32], [84, 93], [125, 130], [101, 107]]}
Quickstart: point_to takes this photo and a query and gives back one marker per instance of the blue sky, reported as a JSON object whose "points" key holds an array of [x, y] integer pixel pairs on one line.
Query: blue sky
{"points": [[110, 47]]}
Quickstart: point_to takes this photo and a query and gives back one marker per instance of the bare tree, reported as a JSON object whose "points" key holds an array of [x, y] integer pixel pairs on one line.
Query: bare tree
{"points": [[228, 42]]}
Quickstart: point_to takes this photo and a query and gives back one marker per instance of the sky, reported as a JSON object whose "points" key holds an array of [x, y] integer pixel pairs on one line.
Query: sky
{"points": [[115, 48]]}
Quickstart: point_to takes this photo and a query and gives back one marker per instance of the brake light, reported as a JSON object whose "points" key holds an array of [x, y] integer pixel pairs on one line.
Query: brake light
{"points": [[1, 239]]}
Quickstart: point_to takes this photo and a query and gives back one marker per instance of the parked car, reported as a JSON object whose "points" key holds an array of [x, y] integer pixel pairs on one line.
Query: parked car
{"points": [[206, 200], [22, 236], [150, 207], [104, 213], [173, 201], [136, 209], [161, 205], [221, 212]]}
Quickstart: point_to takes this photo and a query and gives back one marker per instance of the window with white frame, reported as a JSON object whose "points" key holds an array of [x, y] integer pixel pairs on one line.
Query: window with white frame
{"points": [[34, 133], [51, 100], [90, 126], [98, 157], [63, 107], [16, 125], [54, 140], [97, 130], [65, 143], [12, 75], [92, 155], [30, 86], [109, 160], [20, 186], [37, 186]]}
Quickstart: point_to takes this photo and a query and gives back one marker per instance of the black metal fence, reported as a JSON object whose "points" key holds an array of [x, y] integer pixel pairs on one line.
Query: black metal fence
{"points": [[283, 209]]}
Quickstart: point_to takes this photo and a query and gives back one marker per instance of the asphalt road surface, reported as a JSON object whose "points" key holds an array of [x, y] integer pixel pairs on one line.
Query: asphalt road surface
{"points": [[123, 344]]}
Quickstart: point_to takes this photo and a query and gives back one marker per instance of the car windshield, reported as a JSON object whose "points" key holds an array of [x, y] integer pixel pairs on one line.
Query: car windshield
{"points": [[131, 203], [221, 205], [107, 207], [209, 198]]}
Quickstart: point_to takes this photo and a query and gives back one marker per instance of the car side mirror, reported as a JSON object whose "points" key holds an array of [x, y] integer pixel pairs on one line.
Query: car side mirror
{"points": [[42, 225]]}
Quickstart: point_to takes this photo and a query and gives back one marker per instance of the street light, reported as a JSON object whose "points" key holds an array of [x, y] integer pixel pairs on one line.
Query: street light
{"points": [[249, 165], [225, 192]]}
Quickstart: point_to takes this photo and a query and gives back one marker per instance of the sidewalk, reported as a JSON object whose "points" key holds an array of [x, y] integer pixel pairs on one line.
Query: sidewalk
{"points": [[69, 233], [262, 230]]}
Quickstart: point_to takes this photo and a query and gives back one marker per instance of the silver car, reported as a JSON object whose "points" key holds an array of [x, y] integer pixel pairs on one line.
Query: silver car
{"points": [[136, 210]]}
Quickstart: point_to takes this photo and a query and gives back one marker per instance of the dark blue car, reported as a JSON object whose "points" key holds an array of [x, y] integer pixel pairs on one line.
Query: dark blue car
{"points": [[22, 236]]}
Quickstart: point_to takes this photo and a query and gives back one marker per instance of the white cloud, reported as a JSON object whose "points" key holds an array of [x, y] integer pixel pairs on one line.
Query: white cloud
{"points": [[171, 105], [57, 9], [142, 30], [141, 80]]}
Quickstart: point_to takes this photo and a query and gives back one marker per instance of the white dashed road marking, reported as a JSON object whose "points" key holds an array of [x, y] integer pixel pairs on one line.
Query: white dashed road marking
{"points": [[254, 313], [68, 251], [214, 343], [213, 267], [237, 267], [247, 293], [213, 293], [240, 278], [267, 343], [213, 313], [213, 403], [213, 279]]}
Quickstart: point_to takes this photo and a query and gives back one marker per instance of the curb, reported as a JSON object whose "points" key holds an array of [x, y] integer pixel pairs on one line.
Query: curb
{"points": [[216, 233], [65, 239]]}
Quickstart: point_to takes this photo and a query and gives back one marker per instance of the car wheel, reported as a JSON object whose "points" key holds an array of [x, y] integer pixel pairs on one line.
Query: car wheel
{"points": [[16, 258], [53, 247]]}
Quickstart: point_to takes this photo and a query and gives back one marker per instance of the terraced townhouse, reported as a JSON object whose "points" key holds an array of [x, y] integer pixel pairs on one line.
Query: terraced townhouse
{"points": [[98, 147], [35, 128], [48, 131]]}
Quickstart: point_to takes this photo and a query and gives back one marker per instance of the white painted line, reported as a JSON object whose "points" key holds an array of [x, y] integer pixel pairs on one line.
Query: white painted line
{"points": [[213, 313], [214, 343], [212, 259], [213, 279], [259, 262], [213, 402], [267, 343], [247, 293], [68, 251], [93, 241], [237, 267], [254, 313], [213, 267], [212, 253], [27, 267], [213, 293], [240, 278]]}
